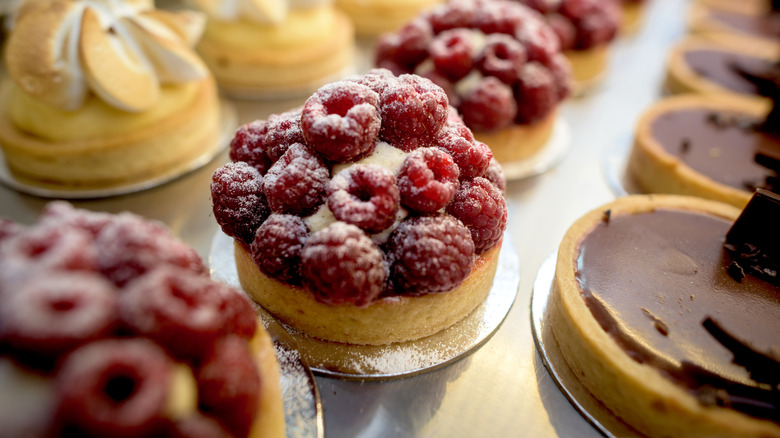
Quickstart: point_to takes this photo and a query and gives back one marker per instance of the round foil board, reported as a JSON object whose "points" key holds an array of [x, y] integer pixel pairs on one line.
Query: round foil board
{"points": [[227, 126], [369, 362], [615, 166], [545, 159], [583, 401]]}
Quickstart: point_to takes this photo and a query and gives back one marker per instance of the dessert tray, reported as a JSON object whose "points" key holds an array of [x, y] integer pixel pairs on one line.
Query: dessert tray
{"points": [[582, 400], [228, 122], [365, 362], [545, 159]]}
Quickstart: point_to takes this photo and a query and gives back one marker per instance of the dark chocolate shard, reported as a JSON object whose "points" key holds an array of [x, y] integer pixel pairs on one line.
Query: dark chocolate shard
{"points": [[763, 367], [754, 239], [768, 84]]}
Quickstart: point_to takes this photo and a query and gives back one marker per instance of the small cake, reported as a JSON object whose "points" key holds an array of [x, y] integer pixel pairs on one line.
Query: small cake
{"points": [[499, 63], [104, 94], [275, 48], [374, 17], [369, 216], [759, 27], [586, 29], [704, 145], [698, 65], [109, 326], [668, 330]]}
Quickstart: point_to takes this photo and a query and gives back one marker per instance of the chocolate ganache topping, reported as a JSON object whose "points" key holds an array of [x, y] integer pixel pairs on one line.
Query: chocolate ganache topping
{"points": [[651, 279], [724, 68], [764, 26]]}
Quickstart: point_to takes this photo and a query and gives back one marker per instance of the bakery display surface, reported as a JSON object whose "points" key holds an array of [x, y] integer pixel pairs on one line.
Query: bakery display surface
{"points": [[502, 388]]}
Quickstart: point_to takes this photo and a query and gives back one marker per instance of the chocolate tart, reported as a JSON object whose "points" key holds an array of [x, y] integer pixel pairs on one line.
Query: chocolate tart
{"points": [[753, 28], [702, 146], [634, 281]]}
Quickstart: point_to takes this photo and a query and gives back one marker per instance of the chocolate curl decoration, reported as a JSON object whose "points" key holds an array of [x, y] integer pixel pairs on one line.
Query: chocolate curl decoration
{"points": [[754, 239]]}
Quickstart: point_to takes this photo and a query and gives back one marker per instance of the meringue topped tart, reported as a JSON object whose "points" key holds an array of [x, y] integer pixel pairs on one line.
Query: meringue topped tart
{"points": [[259, 48], [104, 93]]}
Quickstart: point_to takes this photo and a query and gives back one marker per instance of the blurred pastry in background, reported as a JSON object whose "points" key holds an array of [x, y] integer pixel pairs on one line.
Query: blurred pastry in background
{"points": [[632, 14], [757, 26], [374, 17], [275, 48], [104, 93]]}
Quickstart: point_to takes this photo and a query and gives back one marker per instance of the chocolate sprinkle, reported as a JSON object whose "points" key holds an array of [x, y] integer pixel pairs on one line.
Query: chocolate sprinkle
{"points": [[736, 272], [607, 216]]}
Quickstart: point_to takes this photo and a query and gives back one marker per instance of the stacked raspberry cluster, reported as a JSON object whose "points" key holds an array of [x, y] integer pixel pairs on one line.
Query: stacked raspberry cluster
{"points": [[111, 309], [580, 24], [413, 227], [498, 60]]}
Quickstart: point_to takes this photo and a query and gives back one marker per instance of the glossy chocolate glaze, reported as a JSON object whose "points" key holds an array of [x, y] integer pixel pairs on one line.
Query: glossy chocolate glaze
{"points": [[651, 279], [721, 145], [764, 26], [718, 66]]}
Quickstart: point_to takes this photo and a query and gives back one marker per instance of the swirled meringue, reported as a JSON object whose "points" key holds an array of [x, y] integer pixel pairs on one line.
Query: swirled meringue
{"points": [[122, 51]]}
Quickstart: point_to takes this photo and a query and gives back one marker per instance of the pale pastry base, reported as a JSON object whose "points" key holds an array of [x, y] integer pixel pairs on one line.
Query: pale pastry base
{"points": [[519, 142], [284, 69], [680, 78], [636, 393], [700, 22], [387, 320], [270, 420], [588, 67], [374, 17], [631, 17], [654, 170], [126, 158]]}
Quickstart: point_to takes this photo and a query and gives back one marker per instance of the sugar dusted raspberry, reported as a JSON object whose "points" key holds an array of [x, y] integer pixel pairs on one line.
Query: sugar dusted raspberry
{"points": [[471, 156], [428, 179], [482, 208], [341, 120], [495, 174], [456, 14], [284, 130], [561, 71], [276, 249], [248, 146], [501, 17], [239, 315], [502, 57], [175, 309], [130, 246], [49, 247], [296, 183], [539, 39], [596, 21], [365, 196], [340, 264], [407, 47], [51, 314], [229, 385], [114, 387], [536, 93], [239, 204], [62, 214], [564, 29], [197, 425], [489, 106], [543, 6], [447, 85], [430, 244], [413, 111], [451, 52], [376, 79]]}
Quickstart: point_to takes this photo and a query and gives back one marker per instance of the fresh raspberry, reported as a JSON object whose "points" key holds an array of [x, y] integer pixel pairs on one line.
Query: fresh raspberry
{"points": [[536, 93], [62, 214], [197, 425], [596, 21], [365, 196], [565, 29], [413, 111], [284, 130], [482, 208], [229, 385], [561, 71], [495, 174], [114, 387], [407, 47], [451, 53], [543, 6], [502, 57], [51, 314], [239, 204], [489, 106], [424, 245], [341, 120], [340, 264], [428, 179], [276, 249], [248, 146], [455, 14], [447, 85], [238, 313], [175, 309], [131, 246], [296, 183], [539, 39], [49, 247], [501, 17], [471, 156]]}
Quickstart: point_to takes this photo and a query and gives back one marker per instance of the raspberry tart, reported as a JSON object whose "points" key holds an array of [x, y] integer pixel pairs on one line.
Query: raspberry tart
{"points": [[109, 326], [368, 216], [275, 48], [499, 63], [104, 94], [669, 329]]}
